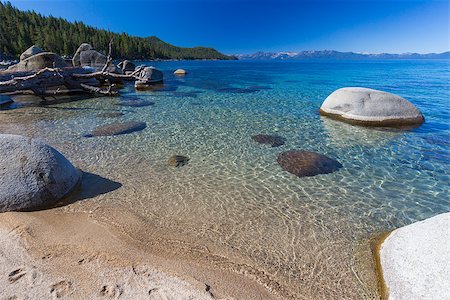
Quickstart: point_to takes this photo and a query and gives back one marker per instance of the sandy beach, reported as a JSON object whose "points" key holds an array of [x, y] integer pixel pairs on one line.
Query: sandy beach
{"points": [[54, 254]]}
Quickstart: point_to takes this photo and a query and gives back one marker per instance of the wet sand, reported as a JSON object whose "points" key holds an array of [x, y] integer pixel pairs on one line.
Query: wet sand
{"points": [[57, 254]]}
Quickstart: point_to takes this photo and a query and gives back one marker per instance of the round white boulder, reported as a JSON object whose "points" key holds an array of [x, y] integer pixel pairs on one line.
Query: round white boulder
{"points": [[32, 174], [415, 260], [180, 72], [371, 107]]}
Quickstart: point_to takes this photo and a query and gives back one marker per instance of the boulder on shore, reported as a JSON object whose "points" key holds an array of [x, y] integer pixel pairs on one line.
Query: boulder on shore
{"points": [[32, 174], [415, 260], [86, 55], [33, 50], [370, 107], [38, 62], [306, 163]]}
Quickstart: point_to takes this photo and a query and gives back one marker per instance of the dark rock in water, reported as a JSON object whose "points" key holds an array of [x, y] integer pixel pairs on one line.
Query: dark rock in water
{"points": [[184, 94], [33, 50], [272, 140], [117, 128], [259, 87], [148, 76], [305, 163], [178, 160], [136, 103], [38, 62], [114, 114], [237, 90]]}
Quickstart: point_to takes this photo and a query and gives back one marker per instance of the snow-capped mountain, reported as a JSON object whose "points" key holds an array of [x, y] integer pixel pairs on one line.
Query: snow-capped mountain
{"points": [[332, 54]]}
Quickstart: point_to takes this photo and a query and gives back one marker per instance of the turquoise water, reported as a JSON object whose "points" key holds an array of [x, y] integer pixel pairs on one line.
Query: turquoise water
{"points": [[299, 235]]}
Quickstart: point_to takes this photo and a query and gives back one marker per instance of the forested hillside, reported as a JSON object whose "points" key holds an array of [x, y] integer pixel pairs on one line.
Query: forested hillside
{"points": [[21, 29]]}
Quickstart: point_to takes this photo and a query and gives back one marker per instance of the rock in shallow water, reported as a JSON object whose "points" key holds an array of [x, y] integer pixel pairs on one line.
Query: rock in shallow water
{"points": [[272, 140], [117, 128], [371, 107], [415, 260], [178, 160], [306, 163], [32, 174]]}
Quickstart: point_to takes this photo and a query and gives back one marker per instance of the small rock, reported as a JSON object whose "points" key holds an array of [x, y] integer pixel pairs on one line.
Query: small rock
{"points": [[178, 160], [180, 72], [117, 128], [306, 163], [272, 140]]}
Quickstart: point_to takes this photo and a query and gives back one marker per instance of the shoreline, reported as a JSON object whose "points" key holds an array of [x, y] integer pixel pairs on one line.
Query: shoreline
{"points": [[73, 247]]}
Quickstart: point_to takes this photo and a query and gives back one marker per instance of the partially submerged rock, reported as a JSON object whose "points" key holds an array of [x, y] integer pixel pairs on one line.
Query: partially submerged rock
{"points": [[306, 163], [178, 160], [272, 140], [33, 50], [32, 174], [180, 72], [415, 260], [371, 107], [117, 128], [38, 62], [148, 76], [127, 67]]}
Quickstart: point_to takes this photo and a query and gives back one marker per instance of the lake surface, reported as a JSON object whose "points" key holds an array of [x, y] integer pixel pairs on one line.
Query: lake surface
{"points": [[304, 238]]}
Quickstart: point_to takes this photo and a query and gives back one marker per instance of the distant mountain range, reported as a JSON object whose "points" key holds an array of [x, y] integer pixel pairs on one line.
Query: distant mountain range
{"points": [[336, 55]]}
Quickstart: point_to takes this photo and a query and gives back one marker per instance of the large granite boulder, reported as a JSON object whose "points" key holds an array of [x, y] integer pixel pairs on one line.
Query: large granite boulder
{"points": [[32, 174], [33, 50], [87, 56], [38, 62], [371, 107], [127, 67], [76, 56], [148, 76], [117, 128], [415, 260], [306, 163]]}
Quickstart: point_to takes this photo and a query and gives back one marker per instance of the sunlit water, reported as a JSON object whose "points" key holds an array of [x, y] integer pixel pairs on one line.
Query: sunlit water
{"points": [[232, 195]]}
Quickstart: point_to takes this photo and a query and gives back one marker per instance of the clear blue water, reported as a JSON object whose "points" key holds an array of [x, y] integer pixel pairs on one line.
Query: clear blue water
{"points": [[232, 196]]}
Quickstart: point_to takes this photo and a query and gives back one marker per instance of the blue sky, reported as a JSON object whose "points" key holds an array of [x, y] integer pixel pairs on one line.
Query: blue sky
{"points": [[248, 26]]}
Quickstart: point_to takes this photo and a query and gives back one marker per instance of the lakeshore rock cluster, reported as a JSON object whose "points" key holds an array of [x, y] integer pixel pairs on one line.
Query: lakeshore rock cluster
{"points": [[36, 175]]}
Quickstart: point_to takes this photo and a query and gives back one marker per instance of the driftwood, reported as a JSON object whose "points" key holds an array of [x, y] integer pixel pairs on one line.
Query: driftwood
{"points": [[39, 82]]}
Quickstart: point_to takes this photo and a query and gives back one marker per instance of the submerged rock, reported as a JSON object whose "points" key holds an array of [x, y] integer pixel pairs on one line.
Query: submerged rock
{"points": [[180, 72], [114, 114], [33, 175], [136, 103], [178, 160], [371, 107], [38, 62], [272, 140], [33, 50], [117, 128], [415, 260], [306, 163]]}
